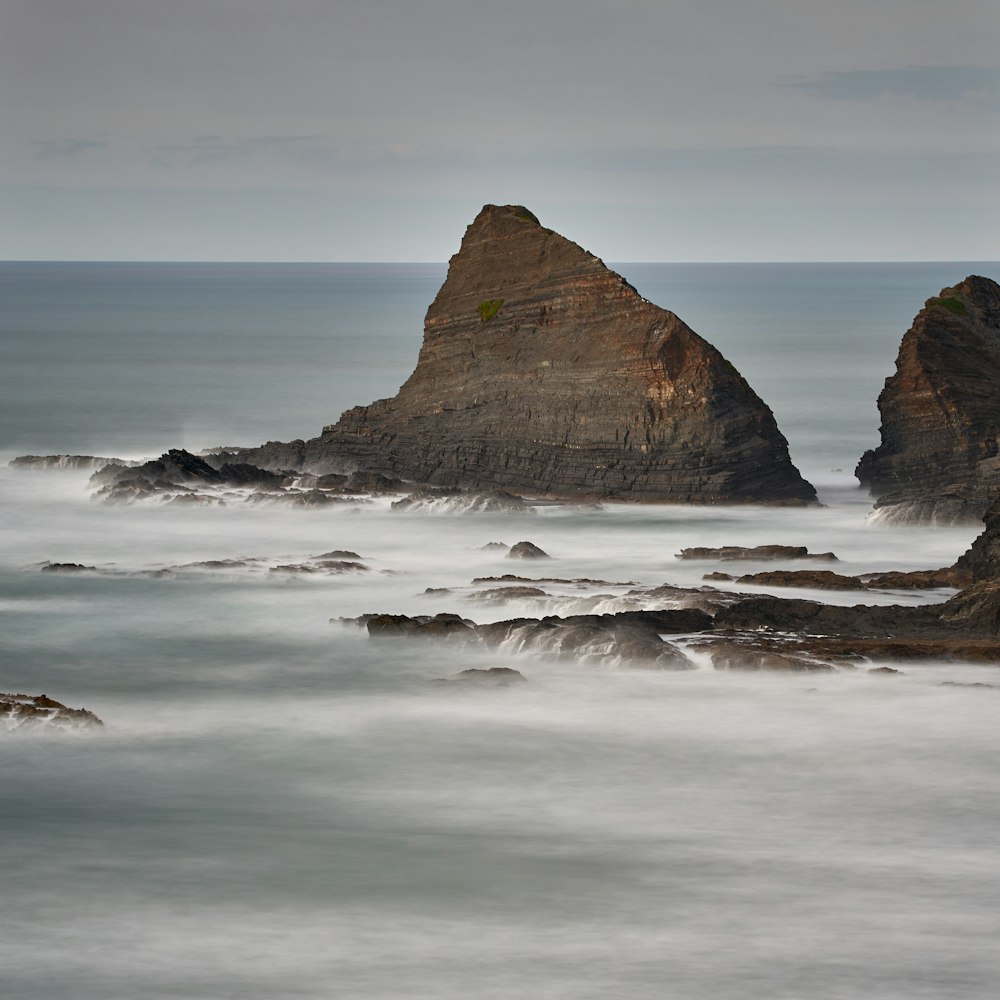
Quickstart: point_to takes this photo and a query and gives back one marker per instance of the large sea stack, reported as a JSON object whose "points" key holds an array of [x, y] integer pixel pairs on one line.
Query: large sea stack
{"points": [[543, 371], [938, 460]]}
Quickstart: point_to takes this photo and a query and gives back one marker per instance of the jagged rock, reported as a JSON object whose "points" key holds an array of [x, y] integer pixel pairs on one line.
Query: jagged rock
{"points": [[338, 554], [23, 711], [526, 550], [542, 370], [719, 577], [759, 553], [494, 547], [178, 467], [939, 460]]}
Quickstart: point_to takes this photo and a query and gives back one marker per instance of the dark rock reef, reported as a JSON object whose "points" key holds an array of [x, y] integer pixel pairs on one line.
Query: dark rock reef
{"points": [[939, 460], [542, 370], [25, 711]]}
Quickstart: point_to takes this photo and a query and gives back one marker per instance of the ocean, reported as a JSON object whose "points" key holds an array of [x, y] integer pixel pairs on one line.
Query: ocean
{"points": [[280, 808]]}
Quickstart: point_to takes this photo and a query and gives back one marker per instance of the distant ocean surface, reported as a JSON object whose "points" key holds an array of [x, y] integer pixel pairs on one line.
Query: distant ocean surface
{"points": [[279, 807]]}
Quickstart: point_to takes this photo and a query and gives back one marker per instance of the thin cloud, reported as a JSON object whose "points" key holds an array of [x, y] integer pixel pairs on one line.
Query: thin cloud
{"points": [[65, 149], [977, 85]]}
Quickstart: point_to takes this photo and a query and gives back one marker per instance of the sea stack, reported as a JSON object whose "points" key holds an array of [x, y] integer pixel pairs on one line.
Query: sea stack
{"points": [[938, 461], [543, 371]]}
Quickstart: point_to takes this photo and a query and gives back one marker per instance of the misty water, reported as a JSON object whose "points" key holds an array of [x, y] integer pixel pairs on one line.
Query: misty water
{"points": [[280, 807]]}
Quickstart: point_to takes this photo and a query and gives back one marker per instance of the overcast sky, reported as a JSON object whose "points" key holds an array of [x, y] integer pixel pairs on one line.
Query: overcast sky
{"points": [[375, 129]]}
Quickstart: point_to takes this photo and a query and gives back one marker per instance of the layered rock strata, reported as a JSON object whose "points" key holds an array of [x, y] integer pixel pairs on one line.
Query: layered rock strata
{"points": [[939, 460], [542, 370]]}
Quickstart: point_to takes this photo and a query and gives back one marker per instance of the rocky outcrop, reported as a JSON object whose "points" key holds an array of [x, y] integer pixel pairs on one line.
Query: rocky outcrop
{"points": [[544, 371], [758, 553], [982, 560], [25, 711], [628, 638], [939, 460], [823, 579]]}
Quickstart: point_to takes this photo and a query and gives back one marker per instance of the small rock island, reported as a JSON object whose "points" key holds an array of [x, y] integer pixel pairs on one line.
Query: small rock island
{"points": [[543, 371]]}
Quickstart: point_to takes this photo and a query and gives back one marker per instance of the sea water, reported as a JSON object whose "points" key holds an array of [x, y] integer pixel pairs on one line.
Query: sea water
{"points": [[280, 807]]}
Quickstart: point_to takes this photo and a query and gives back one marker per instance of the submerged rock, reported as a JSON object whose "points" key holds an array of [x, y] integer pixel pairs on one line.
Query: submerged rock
{"points": [[23, 711], [488, 677], [542, 370], [939, 459]]}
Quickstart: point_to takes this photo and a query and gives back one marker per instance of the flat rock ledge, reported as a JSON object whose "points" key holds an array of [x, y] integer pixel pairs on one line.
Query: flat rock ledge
{"points": [[25, 711]]}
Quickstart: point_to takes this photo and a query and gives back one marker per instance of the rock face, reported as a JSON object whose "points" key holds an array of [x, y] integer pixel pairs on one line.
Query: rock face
{"points": [[542, 370], [939, 460]]}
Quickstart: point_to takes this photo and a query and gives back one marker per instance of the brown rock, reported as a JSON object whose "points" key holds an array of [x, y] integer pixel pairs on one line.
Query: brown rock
{"points": [[22, 711], [542, 370], [939, 460]]}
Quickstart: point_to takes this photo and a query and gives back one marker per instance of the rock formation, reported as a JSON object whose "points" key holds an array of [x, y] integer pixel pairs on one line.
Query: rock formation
{"points": [[542, 370], [939, 460], [26, 711]]}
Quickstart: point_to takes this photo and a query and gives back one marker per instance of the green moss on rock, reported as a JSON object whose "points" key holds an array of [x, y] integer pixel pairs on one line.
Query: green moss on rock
{"points": [[488, 309]]}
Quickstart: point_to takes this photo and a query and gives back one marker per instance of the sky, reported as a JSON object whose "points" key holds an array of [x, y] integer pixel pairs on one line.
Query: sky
{"points": [[374, 130]]}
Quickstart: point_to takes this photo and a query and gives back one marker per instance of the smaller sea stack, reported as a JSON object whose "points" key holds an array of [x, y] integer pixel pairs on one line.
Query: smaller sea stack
{"points": [[938, 461]]}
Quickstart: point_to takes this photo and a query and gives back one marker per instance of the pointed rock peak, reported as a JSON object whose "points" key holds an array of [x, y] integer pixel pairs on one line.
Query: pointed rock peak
{"points": [[976, 298], [544, 371]]}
